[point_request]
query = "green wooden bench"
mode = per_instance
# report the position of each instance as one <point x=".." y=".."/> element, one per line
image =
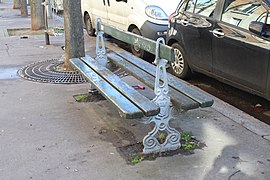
<point x="170" y="91"/>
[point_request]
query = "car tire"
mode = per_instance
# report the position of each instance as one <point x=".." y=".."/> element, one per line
<point x="180" y="67"/>
<point x="134" y="49"/>
<point x="88" y="25"/>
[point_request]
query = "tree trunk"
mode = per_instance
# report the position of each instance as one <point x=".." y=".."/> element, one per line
<point x="74" y="37"/>
<point x="37" y="16"/>
<point x="16" y="4"/>
<point x="24" y="10"/>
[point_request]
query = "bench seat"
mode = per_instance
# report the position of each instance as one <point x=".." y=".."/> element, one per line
<point x="128" y="101"/>
<point x="183" y="95"/>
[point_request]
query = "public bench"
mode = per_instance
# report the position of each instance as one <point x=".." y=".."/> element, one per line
<point x="170" y="91"/>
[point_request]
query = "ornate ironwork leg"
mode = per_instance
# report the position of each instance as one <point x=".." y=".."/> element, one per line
<point x="101" y="56"/>
<point x="161" y="121"/>
<point x="100" y="45"/>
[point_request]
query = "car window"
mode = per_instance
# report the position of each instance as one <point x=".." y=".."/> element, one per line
<point x="265" y="17"/>
<point x="181" y="6"/>
<point x="190" y="6"/>
<point x="241" y="13"/>
<point x="201" y="7"/>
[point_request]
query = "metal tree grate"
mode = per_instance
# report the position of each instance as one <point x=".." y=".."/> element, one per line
<point x="49" y="71"/>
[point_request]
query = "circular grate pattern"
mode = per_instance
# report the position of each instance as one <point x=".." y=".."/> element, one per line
<point x="49" y="71"/>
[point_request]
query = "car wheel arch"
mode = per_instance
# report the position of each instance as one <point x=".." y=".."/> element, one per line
<point x="92" y="33"/>
<point x="85" y="13"/>
<point x="172" y="41"/>
<point x="131" y="27"/>
<point x="134" y="50"/>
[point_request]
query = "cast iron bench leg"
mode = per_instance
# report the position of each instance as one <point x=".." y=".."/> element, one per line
<point x="161" y="121"/>
<point x="101" y="56"/>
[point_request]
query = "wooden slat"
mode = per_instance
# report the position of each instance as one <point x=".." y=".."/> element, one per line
<point x="179" y="100"/>
<point x="144" y="104"/>
<point x="127" y="109"/>
<point x="188" y="90"/>
<point x="146" y="44"/>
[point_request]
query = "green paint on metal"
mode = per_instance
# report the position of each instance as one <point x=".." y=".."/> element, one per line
<point x="146" y="44"/>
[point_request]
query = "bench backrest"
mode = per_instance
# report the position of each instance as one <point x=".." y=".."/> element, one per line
<point x="166" y="52"/>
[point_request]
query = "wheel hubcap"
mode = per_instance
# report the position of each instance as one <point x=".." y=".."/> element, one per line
<point x="136" y="48"/>
<point x="178" y="64"/>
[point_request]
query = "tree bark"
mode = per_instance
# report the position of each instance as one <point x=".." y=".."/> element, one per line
<point x="74" y="37"/>
<point x="37" y="16"/>
<point x="16" y="4"/>
<point x="24" y="10"/>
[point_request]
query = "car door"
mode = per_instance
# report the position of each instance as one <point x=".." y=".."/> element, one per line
<point x="240" y="56"/>
<point x="99" y="10"/>
<point x="195" y="23"/>
<point x="118" y="12"/>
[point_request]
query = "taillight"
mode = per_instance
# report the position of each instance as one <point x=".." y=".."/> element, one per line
<point x="170" y="17"/>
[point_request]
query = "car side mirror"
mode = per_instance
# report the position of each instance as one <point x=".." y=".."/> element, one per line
<point x="259" y="28"/>
<point x="121" y="0"/>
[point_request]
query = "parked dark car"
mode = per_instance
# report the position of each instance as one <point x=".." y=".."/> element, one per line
<point x="225" y="39"/>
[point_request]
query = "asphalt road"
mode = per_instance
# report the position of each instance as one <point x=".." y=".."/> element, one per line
<point x="254" y="105"/>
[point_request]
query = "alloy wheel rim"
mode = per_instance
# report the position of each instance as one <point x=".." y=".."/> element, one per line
<point x="178" y="64"/>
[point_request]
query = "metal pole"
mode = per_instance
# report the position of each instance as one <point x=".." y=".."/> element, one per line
<point x="47" y="38"/>
<point x="49" y="9"/>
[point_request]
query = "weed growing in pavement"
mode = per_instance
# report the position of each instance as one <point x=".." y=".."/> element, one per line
<point x="188" y="142"/>
<point x="133" y="153"/>
<point x="81" y="97"/>
<point x="136" y="159"/>
<point x="162" y="137"/>
<point x="88" y="97"/>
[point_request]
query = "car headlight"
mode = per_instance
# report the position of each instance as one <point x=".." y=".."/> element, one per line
<point x="156" y="12"/>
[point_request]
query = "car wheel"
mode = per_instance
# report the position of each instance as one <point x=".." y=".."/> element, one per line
<point x="88" y="24"/>
<point x="180" y="67"/>
<point x="134" y="49"/>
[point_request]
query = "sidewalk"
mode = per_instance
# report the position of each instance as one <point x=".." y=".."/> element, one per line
<point x="45" y="134"/>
